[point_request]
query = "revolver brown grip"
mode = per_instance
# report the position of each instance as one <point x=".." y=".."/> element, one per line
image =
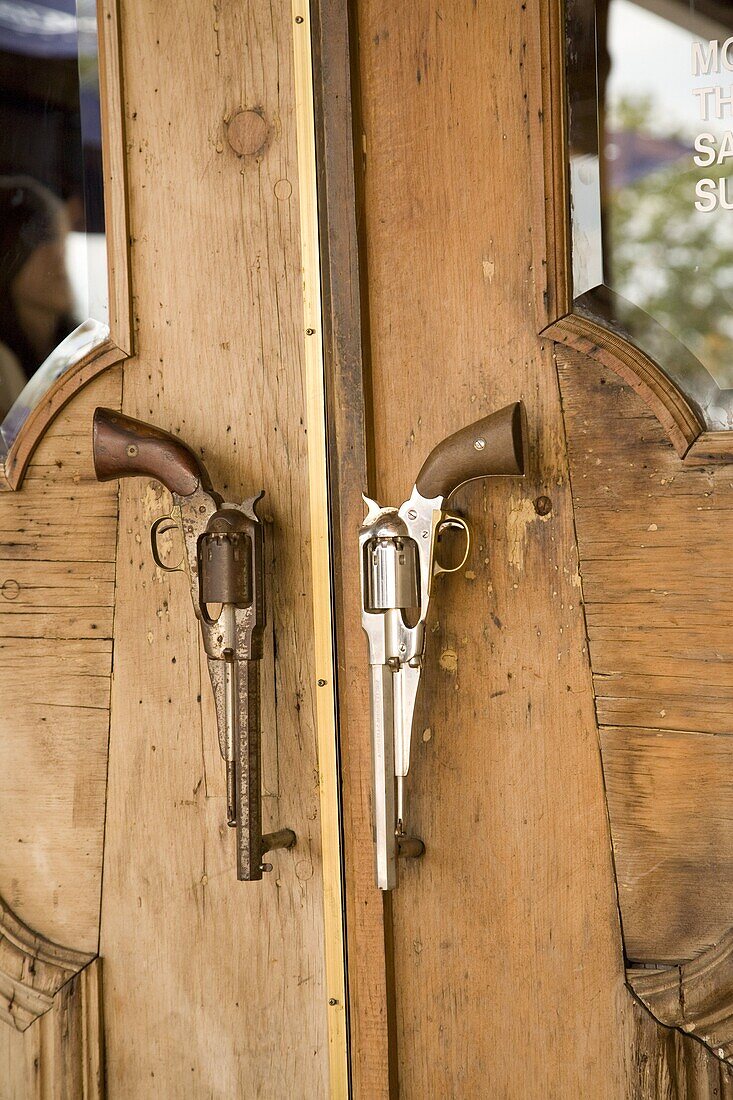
<point x="494" y="445"/>
<point x="124" y="447"/>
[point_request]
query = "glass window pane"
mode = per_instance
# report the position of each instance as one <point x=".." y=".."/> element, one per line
<point x="53" y="268"/>
<point x="650" y="87"/>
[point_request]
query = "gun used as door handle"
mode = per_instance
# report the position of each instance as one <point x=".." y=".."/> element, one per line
<point x="398" y="563"/>
<point x="224" y="562"/>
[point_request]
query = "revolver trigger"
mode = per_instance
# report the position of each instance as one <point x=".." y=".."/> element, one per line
<point x="451" y="523"/>
<point x="157" y="529"/>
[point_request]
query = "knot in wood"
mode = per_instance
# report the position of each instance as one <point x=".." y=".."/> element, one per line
<point x="247" y="133"/>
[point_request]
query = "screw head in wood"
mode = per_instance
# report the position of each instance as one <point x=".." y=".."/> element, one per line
<point x="10" y="590"/>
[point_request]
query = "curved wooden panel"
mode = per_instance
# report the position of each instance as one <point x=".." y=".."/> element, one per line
<point x="57" y="575"/>
<point x="656" y="571"/>
<point x="61" y="1055"/>
<point x="674" y="412"/>
<point x="656" y="567"/>
<point x="32" y="970"/>
<point x="696" y="997"/>
<point x="41" y="417"/>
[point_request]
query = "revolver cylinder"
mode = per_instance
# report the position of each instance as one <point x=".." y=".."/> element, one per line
<point x="225" y="562"/>
<point x="226" y="574"/>
<point x="392" y="574"/>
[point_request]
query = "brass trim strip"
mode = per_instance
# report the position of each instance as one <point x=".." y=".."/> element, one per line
<point x="325" y="663"/>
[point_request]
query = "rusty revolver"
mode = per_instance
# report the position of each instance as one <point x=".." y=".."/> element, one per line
<point x="223" y="561"/>
<point x="398" y="563"/>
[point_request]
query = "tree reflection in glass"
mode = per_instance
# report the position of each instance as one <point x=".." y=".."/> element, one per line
<point x="53" y="277"/>
<point x="652" y="253"/>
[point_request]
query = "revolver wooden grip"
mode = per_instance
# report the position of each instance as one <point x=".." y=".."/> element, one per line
<point x="494" y="445"/>
<point x="124" y="447"/>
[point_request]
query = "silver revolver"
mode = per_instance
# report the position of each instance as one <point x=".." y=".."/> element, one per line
<point x="398" y="562"/>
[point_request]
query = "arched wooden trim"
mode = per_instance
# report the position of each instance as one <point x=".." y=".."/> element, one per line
<point x="61" y="1055"/>
<point x="118" y="346"/>
<point x="670" y="406"/>
<point x="32" y="970"/>
<point x="696" y="996"/>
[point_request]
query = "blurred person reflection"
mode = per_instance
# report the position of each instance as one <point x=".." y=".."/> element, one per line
<point x="36" y="300"/>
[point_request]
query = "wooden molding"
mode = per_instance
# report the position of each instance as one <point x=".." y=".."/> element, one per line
<point x="61" y="1055"/>
<point x="118" y="346"/>
<point x="670" y="406"/>
<point x="555" y="295"/>
<point x="321" y="576"/>
<point x="337" y="112"/>
<point x="113" y="163"/>
<point x="696" y="996"/>
<point x="32" y="970"/>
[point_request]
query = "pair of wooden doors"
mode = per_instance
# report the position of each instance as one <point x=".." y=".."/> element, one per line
<point x="318" y="367"/>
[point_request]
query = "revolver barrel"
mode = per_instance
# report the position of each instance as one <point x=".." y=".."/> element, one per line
<point x="390" y="592"/>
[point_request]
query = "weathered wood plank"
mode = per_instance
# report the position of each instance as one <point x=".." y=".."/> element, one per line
<point x="57" y="584"/>
<point x="213" y="987"/>
<point x="670" y="797"/>
<point x="667" y="1065"/>
<point x="657" y="573"/>
<point x="335" y="44"/>
<point x="56" y="607"/>
<point x="511" y="912"/>
<point x="61" y="1055"/>
<point x="54" y="789"/>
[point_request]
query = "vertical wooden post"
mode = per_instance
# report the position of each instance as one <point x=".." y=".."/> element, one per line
<point x="325" y="663"/>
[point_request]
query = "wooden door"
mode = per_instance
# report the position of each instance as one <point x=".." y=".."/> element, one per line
<point x="556" y="689"/>
<point x="569" y="921"/>
<point x="175" y="979"/>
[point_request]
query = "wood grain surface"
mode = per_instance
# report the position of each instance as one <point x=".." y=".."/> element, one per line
<point x="335" y="45"/>
<point x="213" y="987"/>
<point x="57" y="567"/>
<point x="657" y="570"/>
<point x="696" y="996"/>
<point x="61" y="1055"/>
<point x="508" y="968"/>
<point x="509" y="920"/>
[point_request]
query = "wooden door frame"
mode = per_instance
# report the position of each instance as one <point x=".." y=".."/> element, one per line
<point x="346" y="349"/>
<point x="345" y="344"/>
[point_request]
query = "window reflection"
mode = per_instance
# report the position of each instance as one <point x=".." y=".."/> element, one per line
<point x="651" y="116"/>
<point x="53" y="279"/>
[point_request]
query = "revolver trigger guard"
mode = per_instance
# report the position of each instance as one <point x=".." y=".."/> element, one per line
<point x="454" y="523"/>
<point x="156" y="529"/>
